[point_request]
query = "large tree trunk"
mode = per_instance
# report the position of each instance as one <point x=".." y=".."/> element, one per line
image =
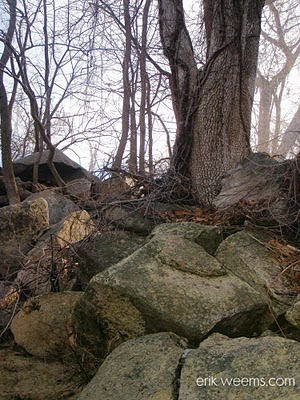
<point x="212" y="106"/>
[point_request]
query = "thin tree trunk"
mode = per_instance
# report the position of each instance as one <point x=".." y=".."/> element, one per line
<point x="132" y="165"/>
<point x="150" y="127"/>
<point x="126" y="90"/>
<point x="46" y="119"/>
<point x="168" y="138"/>
<point x="276" y="136"/>
<point x="5" y="112"/>
<point x="143" y="89"/>
<point x="264" y="116"/>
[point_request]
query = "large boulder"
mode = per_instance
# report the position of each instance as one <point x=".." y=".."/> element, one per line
<point x="20" y="225"/>
<point x="246" y="255"/>
<point x="263" y="368"/>
<point x="45" y="267"/>
<point x="129" y="218"/>
<point x="80" y="189"/>
<point x="67" y="168"/>
<point x="161" y="367"/>
<point x="110" y="189"/>
<point x="259" y="189"/>
<point x="170" y="284"/>
<point x="104" y="250"/>
<point x="43" y="326"/>
<point x="293" y="314"/>
<point x="208" y="237"/>
<point x="59" y="206"/>
<point x="250" y="180"/>
<point x="144" y="368"/>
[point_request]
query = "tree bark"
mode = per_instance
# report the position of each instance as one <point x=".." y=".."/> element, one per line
<point x="5" y="112"/>
<point x="212" y="106"/>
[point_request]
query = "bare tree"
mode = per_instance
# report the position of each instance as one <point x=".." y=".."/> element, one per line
<point x="280" y="49"/>
<point x="6" y="110"/>
<point x="126" y="88"/>
<point x="48" y="81"/>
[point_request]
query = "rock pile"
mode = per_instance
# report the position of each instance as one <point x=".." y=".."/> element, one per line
<point x="167" y="311"/>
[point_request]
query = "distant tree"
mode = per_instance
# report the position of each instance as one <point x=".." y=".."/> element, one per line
<point x="291" y="137"/>
<point x="50" y="56"/>
<point x="280" y="50"/>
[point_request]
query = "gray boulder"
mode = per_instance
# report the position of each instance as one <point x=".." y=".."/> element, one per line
<point x="80" y="189"/>
<point x="293" y="314"/>
<point x="170" y="284"/>
<point x="250" y="180"/>
<point x="245" y="255"/>
<point x="43" y="327"/>
<point x="208" y="237"/>
<point x="233" y="369"/>
<point x="129" y="219"/>
<point x="67" y="168"/>
<point x="256" y="187"/>
<point x="144" y="368"/>
<point x="110" y="189"/>
<point x="45" y="266"/>
<point x="20" y="225"/>
<point x="161" y="367"/>
<point x="59" y="206"/>
<point x="104" y="250"/>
